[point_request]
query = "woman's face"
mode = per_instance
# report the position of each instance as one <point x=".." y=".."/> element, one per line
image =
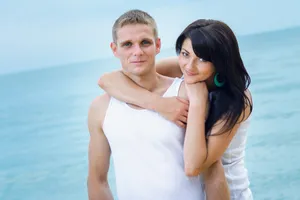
<point x="194" y="69"/>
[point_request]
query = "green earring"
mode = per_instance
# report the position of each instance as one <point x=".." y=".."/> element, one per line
<point x="217" y="83"/>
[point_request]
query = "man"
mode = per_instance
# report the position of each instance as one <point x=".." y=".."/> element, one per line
<point x="147" y="148"/>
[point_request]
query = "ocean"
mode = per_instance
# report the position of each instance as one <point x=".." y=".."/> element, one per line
<point x="44" y="135"/>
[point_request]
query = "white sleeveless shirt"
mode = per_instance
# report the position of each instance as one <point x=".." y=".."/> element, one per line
<point x="147" y="151"/>
<point x="234" y="165"/>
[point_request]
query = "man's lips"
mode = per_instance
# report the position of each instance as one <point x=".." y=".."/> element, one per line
<point x="140" y="61"/>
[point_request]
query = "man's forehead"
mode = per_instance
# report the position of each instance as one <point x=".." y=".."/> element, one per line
<point x="134" y="39"/>
<point x="135" y="32"/>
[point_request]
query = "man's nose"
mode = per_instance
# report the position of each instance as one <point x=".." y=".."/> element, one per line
<point x="137" y="51"/>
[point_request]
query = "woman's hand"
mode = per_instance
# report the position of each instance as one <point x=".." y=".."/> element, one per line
<point x="197" y="93"/>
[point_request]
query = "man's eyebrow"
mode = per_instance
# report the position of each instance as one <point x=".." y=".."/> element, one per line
<point x="149" y="39"/>
<point x="124" y="42"/>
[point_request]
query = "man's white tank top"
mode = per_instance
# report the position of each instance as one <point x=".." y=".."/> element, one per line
<point x="147" y="152"/>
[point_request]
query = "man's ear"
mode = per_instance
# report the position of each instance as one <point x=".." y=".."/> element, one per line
<point x="114" y="47"/>
<point x="158" y="45"/>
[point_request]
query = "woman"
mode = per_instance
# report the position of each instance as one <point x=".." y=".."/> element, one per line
<point x="210" y="61"/>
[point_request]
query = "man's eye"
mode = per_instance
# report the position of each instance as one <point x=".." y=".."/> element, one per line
<point x="145" y="42"/>
<point x="127" y="44"/>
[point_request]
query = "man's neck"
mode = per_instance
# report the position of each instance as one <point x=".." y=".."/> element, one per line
<point x="149" y="82"/>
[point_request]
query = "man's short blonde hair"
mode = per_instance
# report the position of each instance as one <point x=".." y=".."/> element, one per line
<point x="134" y="17"/>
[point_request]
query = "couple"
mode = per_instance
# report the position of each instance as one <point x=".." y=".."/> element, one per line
<point x="194" y="149"/>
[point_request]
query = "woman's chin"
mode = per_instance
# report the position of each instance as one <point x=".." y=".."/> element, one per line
<point x="190" y="80"/>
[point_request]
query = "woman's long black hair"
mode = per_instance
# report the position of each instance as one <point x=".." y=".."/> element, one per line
<point x="215" y="42"/>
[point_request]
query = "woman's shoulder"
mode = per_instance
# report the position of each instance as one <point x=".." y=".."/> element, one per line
<point x="248" y="106"/>
<point x="248" y="94"/>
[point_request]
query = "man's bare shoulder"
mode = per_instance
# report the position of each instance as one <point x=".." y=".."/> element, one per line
<point x="182" y="91"/>
<point x="100" y="102"/>
<point x="98" y="108"/>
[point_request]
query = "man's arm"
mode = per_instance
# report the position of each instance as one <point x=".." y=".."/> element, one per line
<point x="99" y="153"/>
<point x="215" y="183"/>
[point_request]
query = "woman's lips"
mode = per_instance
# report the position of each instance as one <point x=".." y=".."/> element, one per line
<point x="189" y="73"/>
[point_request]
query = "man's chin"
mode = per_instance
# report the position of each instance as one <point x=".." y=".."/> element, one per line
<point x="140" y="73"/>
<point x="135" y="73"/>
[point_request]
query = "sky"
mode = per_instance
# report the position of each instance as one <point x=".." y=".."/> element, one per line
<point x="37" y="34"/>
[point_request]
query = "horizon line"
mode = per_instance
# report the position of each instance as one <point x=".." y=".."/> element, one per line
<point x="110" y="57"/>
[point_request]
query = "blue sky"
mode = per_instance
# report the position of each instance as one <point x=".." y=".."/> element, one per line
<point x="36" y="34"/>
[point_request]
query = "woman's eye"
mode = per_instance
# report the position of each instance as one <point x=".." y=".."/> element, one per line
<point x="184" y="54"/>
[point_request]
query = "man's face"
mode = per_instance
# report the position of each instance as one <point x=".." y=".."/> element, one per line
<point x="136" y="47"/>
